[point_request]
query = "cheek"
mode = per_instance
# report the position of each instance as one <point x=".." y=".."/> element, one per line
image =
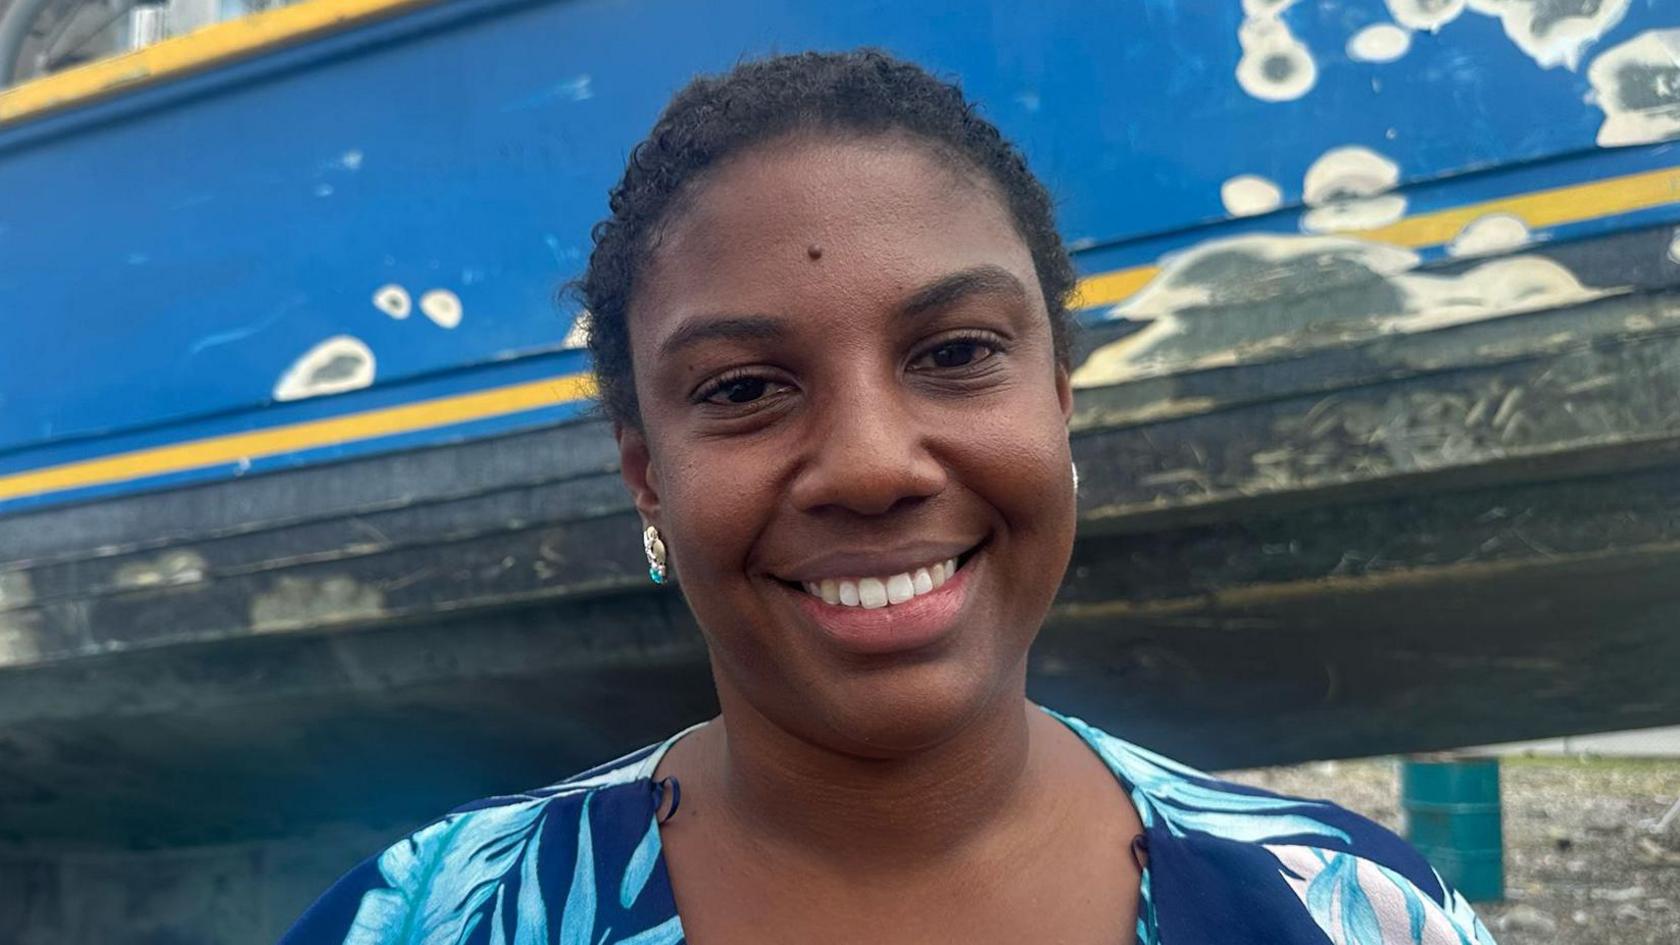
<point x="1021" y="453"/>
<point x="715" y="508"/>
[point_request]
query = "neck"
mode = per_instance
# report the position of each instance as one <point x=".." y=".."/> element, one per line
<point x="791" y="793"/>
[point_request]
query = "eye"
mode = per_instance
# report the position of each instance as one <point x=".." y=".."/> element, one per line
<point x="739" y="390"/>
<point x="957" y="353"/>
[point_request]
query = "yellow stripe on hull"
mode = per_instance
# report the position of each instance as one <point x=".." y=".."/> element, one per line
<point x="296" y="437"/>
<point x="172" y="57"/>
<point x="1538" y="209"/>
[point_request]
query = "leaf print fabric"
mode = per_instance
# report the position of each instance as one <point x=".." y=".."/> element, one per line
<point x="1358" y="902"/>
<point x="579" y="863"/>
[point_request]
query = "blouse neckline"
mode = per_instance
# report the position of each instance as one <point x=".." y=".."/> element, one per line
<point x="1147" y="929"/>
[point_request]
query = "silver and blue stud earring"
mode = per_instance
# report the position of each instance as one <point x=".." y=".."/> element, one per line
<point x="654" y="547"/>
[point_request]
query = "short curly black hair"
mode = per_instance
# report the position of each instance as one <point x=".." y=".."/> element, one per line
<point x="859" y="93"/>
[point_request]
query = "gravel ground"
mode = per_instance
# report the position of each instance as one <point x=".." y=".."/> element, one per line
<point x="1582" y="865"/>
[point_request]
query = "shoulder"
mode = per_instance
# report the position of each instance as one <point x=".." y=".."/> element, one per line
<point x="1225" y="852"/>
<point x="495" y="865"/>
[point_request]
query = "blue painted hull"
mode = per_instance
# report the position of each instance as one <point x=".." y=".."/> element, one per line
<point x="1378" y="446"/>
<point x="173" y="254"/>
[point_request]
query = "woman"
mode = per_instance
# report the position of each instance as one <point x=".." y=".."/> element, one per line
<point x="829" y="325"/>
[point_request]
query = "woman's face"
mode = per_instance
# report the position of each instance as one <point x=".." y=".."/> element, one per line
<point x="846" y="373"/>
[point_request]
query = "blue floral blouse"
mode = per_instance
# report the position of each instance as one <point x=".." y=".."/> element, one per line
<point x="579" y="863"/>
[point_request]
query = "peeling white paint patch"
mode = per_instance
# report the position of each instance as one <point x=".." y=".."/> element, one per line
<point x="1380" y="42"/>
<point x="1349" y="171"/>
<point x="1637" y="84"/>
<point x="170" y="569"/>
<point x="299" y="603"/>
<point x="1210" y="304"/>
<point x="351" y="160"/>
<point x="1231" y="300"/>
<point x="442" y="306"/>
<point x="392" y="299"/>
<point x="1488" y="235"/>
<point x="341" y="363"/>
<point x="1554" y="32"/>
<point x="1492" y="290"/>
<point x="16" y="590"/>
<point x="1207" y="275"/>
<point x="1349" y="216"/>
<point x="1428" y="15"/>
<point x="20" y="630"/>
<point x="1347" y="189"/>
<point x="578" y="336"/>
<point x="1275" y="66"/>
<point x="1248" y="195"/>
<point x="1674" y="248"/>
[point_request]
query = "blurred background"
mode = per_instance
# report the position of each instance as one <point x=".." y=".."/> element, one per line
<point x="308" y="534"/>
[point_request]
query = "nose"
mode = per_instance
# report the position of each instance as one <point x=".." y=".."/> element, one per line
<point x="869" y="455"/>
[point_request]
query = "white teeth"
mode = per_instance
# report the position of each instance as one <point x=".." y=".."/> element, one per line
<point x="873" y="592"/>
<point x="900" y="588"/>
<point x="921" y="581"/>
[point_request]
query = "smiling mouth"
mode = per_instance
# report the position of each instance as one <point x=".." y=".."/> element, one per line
<point x="887" y="590"/>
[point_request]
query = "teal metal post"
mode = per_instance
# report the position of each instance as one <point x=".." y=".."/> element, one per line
<point x="1450" y="807"/>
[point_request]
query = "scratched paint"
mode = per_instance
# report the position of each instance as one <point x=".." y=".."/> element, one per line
<point x="393" y="300"/>
<point x="1348" y="188"/>
<point x="170" y="569"/>
<point x="1428" y="15"/>
<point x="1554" y="32"/>
<point x="1637" y="85"/>
<point x="442" y="306"/>
<point x="1253" y="296"/>
<point x="20" y="626"/>
<point x="1380" y="42"/>
<point x="296" y="603"/>
<point x="340" y="363"/>
<point x="1275" y="65"/>
<point x="1490" y="235"/>
<point x="1248" y="195"/>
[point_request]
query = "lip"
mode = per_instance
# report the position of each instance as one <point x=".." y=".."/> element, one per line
<point x="853" y="565"/>
<point x="897" y="628"/>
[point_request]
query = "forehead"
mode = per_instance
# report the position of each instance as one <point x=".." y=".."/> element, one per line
<point x="883" y="216"/>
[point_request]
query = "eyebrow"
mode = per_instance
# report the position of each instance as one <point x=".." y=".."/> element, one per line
<point x="729" y="328"/>
<point x="978" y="280"/>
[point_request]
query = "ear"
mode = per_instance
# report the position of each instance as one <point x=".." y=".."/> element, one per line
<point x="635" y="465"/>
<point x="1064" y="392"/>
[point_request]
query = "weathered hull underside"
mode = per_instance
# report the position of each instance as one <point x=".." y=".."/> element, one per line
<point x="1363" y="542"/>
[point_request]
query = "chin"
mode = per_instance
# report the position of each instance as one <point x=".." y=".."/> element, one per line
<point x="905" y="710"/>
